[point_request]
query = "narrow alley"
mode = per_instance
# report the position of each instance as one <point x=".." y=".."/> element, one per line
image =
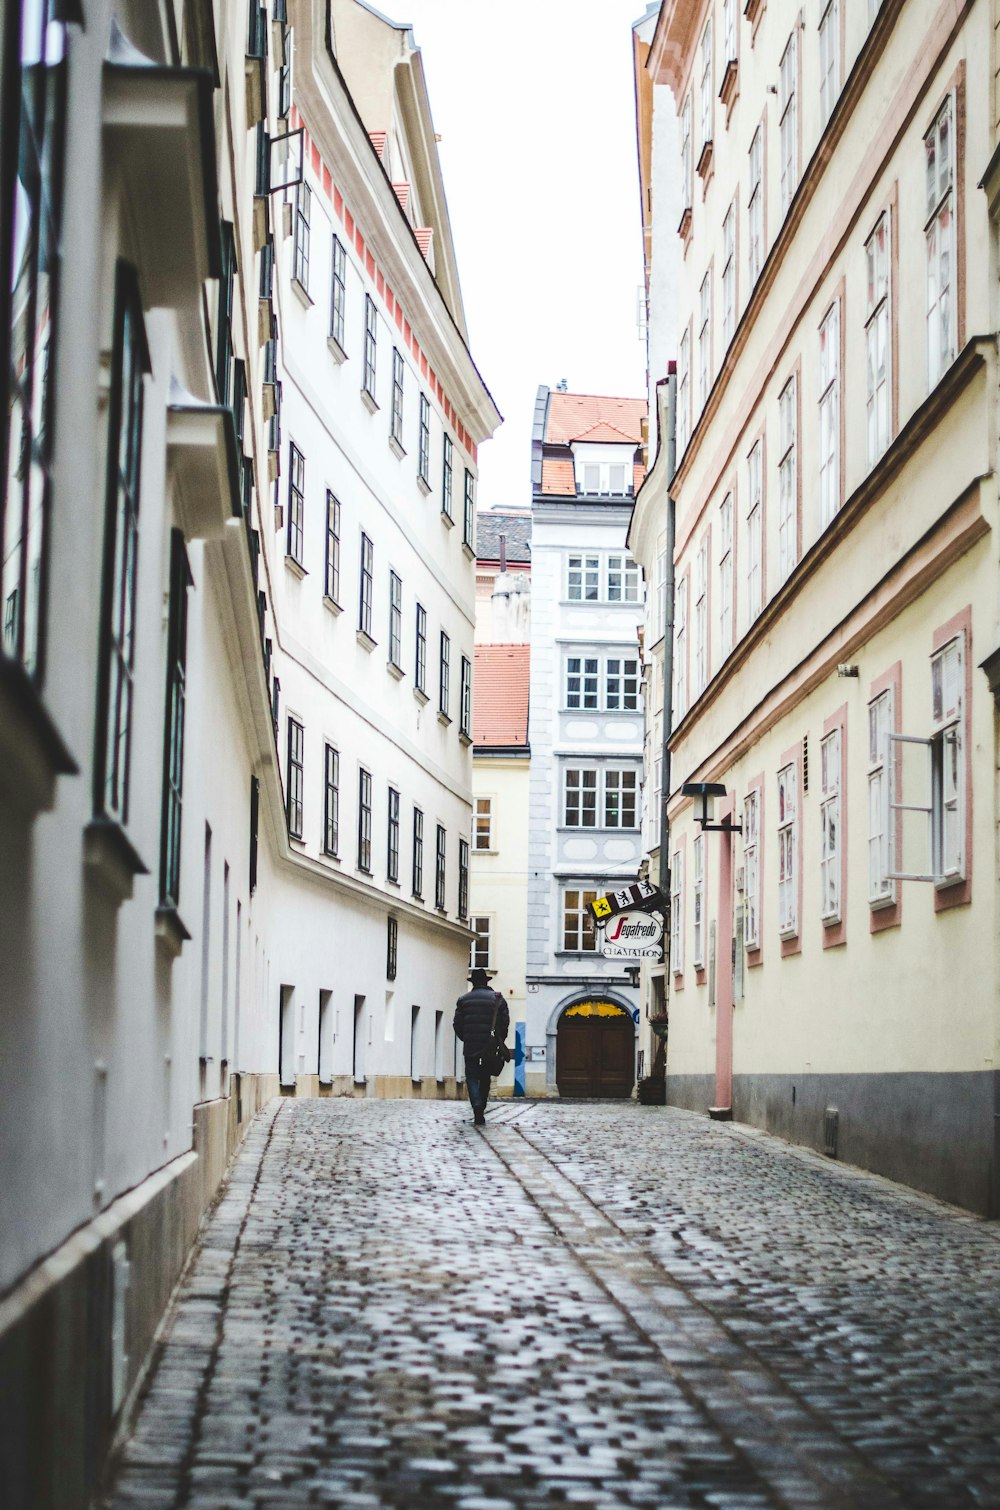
<point x="588" y="1303"/>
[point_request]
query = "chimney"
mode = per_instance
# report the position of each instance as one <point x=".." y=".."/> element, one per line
<point x="503" y="553"/>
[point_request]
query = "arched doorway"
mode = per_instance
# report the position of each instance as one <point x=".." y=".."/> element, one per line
<point x="595" y="1050"/>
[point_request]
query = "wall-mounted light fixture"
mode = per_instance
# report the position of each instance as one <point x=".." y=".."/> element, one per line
<point x="632" y="974"/>
<point x="705" y="793"/>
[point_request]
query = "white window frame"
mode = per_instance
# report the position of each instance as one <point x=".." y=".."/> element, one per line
<point x="939" y="233"/>
<point x="677" y="913"/>
<point x="706" y="93"/>
<point x="700" y="618"/>
<point x="481" y="924"/>
<point x="829" y="59"/>
<point x="830" y="759"/>
<point x="582" y="683"/>
<point x="683" y="392"/>
<point x="729" y="275"/>
<point x="787" y="481"/>
<point x="579" y="782"/>
<point x="622" y="579"/>
<point x="729" y="24"/>
<point x="482" y="825"/>
<point x="578" y="918"/>
<point x="687" y="160"/>
<point x="945" y="808"/>
<point x="829" y="414"/>
<point x="623" y="782"/>
<point x="751" y="869"/>
<point x="788" y="858"/>
<point x="698" y="902"/>
<point x="704" y="339"/>
<point x="788" y="123"/>
<point x="881" y="794"/>
<point x="878" y="338"/>
<point x="755" y="207"/>
<point x="725" y="576"/>
<point x="656" y="799"/>
<point x="680" y="648"/>
<point x="755" y="531"/>
<point x="583" y="578"/>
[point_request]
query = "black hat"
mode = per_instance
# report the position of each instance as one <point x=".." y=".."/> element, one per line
<point x="479" y="978"/>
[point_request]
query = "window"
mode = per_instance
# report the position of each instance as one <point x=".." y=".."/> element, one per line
<point x="602" y="479"/>
<point x="687" y="171"/>
<point x="364" y="820"/>
<point x="881" y="816"/>
<point x="660" y="600"/>
<point x="418" y="853"/>
<point x="656" y="802"/>
<point x="579" y="933"/>
<point x="254" y="820"/>
<point x="620" y="793"/>
<point x="751" y="869"/>
<point x="469" y="515"/>
<point x="683" y="393"/>
<point x="294" y="772"/>
<point x="444" y="674"/>
<point x="829" y="815"/>
<point x="755" y="533"/>
<point x="701" y="618"/>
<point x="621" y="684"/>
<point x="331" y="800"/>
<point x="224" y="317"/>
<point x="729" y="30"/>
<point x="173" y="740"/>
<point x="787" y="485"/>
<point x="582" y="675"/>
<point x="698" y="903"/>
<point x="440" y="869"/>
<point x="371" y="337"/>
<point x="391" y="948"/>
<point x="787" y="850"/>
<point x="338" y="293"/>
<point x="829" y="59"/>
<point x="395" y="620"/>
<point x="580" y="799"/>
<point x="482" y="823"/>
<point x="446" y="480"/>
<point x="420" y="667"/>
<point x="755" y="207"/>
<point x="789" y="145"/>
<point x="275" y="706"/>
<point x="392" y="837"/>
<point x="726" y="576"/>
<point x="677" y="913"/>
<point x="623" y="580"/>
<point x="300" y="249"/>
<point x="705" y="92"/>
<point x="465" y="716"/>
<point x="481" y="957"/>
<point x="296" y="502"/>
<point x="947" y="762"/>
<point x="463" y="879"/>
<point x="829" y="415"/>
<point x="116" y="668"/>
<point x="705" y="339"/>
<point x="35" y="76"/>
<point x="396" y="420"/>
<point x="367" y="584"/>
<point x="424" y="447"/>
<point x="583" y="579"/>
<point x="878" y="348"/>
<point x="332" y="582"/>
<point x="680" y="648"/>
<point x="729" y="275"/>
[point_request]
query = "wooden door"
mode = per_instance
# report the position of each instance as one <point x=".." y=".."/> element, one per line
<point x="595" y="1052"/>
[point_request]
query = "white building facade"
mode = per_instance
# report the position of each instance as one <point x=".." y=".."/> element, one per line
<point x="586" y="733"/>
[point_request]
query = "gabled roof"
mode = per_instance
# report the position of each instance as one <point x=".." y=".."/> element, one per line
<point x="492" y="523"/>
<point x="605" y="432"/>
<point x="500" y="706"/>
<point x="572" y="415"/>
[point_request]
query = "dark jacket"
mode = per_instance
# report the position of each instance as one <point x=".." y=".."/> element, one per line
<point x="473" y="1015"/>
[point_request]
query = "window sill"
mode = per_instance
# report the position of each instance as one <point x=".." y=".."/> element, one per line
<point x="332" y="856"/>
<point x="302" y="292"/>
<point x="833" y="921"/>
<point x="393" y="882"/>
<point x="416" y="1079"/>
<point x="879" y="904"/>
<point x="423" y="485"/>
<point x="336" y="350"/>
<point x="447" y="520"/>
<point x="363" y="871"/>
<point x="365" y="640"/>
<point x="464" y="737"/>
<point x="577" y="954"/>
<point x="332" y="605"/>
<point x="360" y="1079"/>
<point x="396" y="448"/>
<point x="416" y="896"/>
<point x="369" y="401"/>
<point x="295" y="566"/>
<point x="443" y="719"/>
<point x="785" y="934"/>
<point x="32" y="753"/>
<point x="171" y="934"/>
<point x="703" y="167"/>
<point x="469" y="550"/>
<point x="394" y="670"/>
<point x="442" y="910"/>
<point x="297" y="840"/>
<point x="110" y="856"/>
<point x="421" y="696"/>
<point x="728" y="91"/>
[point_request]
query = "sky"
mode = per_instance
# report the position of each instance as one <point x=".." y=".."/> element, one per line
<point x="534" y="104"/>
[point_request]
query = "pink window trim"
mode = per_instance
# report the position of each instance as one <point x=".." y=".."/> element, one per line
<point x="755" y="956"/>
<point x="701" y="971"/>
<point x="890" y="915"/>
<point x="680" y="846"/>
<point x="960" y="893"/>
<point x="792" y="944"/>
<point x="835" y="934"/>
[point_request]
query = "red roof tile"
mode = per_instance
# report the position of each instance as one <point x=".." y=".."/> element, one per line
<point x="558" y="477"/>
<point x="500" y="700"/>
<point x="572" y="415"/>
<point x="638" y="474"/>
<point x="605" y="432"/>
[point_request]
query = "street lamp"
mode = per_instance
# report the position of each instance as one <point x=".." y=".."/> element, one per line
<point x="632" y="973"/>
<point x="705" y="793"/>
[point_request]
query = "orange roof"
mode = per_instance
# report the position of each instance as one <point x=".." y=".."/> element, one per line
<point x="558" y="477"/>
<point x="605" y="432"/>
<point x="638" y="474"/>
<point x="572" y="415"/>
<point x="500" y="703"/>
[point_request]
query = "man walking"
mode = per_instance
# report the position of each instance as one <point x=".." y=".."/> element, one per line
<point x="473" y="1020"/>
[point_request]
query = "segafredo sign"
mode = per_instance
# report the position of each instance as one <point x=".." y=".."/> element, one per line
<point x="633" y="935"/>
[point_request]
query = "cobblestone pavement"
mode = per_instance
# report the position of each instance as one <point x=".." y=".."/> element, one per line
<point x="595" y="1304"/>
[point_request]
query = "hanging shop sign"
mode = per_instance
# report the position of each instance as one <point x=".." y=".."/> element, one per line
<point x="641" y="896"/>
<point x="633" y="935"/>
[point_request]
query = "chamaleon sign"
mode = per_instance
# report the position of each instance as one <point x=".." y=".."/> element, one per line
<point x="633" y="935"/>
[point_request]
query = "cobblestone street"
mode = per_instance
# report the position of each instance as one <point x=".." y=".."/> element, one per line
<point x="591" y="1303"/>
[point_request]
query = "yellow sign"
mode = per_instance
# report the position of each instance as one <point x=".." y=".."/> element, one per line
<point x="594" y="1009"/>
<point x="602" y="907"/>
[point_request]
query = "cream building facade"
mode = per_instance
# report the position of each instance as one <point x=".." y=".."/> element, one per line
<point x="835" y="606"/>
<point x="177" y="944"/>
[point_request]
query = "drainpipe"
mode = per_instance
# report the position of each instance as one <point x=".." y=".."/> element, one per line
<point x="666" y="401"/>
